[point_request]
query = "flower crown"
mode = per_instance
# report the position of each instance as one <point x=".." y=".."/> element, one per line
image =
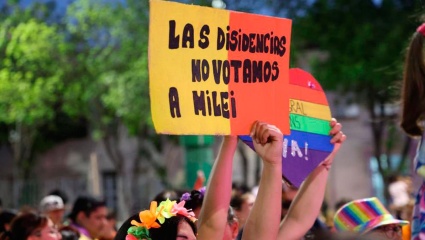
<point x="166" y="209"/>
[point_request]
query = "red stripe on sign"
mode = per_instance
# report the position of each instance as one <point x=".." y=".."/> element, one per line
<point x="304" y="79"/>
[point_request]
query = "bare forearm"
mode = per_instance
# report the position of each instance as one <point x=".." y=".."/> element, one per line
<point x="306" y="206"/>
<point x="263" y="221"/>
<point x="213" y="215"/>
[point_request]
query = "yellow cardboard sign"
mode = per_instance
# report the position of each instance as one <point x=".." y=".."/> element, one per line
<point x="214" y="71"/>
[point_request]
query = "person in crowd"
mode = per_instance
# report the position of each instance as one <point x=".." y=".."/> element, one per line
<point x="413" y="116"/>
<point x="110" y="229"/>
<point x="368" y="217"/>
<point x="6" y="217"/>
<point x="88" y="216"/>
<point x="31" y="226"/>
<point x="400" y="194"/>
<point x="54" y="208"/>
<point x="288" y="195"/>
<point x="242" y="204"/>
<point x="194" y="201"/>
<point x="60" y="193"/>
<point x="168" y="220"/>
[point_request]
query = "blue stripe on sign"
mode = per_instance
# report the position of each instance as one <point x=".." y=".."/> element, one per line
<point x="315" y="141"/>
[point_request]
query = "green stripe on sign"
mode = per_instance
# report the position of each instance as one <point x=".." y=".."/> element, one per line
<point x="309" y="124"/>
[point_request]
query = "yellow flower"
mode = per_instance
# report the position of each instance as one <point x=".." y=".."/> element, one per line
<point x="148" y="217"/>
<point x="164" y="210"/>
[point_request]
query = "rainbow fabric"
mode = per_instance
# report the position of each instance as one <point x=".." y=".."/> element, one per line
<point x="364" y="215"/>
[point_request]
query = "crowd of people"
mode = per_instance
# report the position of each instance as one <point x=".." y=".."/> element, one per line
<point x="218" y="210"/>
<point x="275" y="211"/>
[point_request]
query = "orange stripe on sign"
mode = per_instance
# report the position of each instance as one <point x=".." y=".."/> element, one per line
<point x="307" y="94"/>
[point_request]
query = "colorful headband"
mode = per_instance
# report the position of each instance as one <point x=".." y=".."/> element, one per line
<point x="421" y="29"/>
<point x="165" y="210"/>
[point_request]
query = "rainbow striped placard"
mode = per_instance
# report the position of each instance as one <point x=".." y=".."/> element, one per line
<point x="308" y="144"/>
<point x="213" y="71"/>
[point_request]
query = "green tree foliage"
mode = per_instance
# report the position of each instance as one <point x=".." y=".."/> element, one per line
<point x="364" y="42"/>
<point x="30" y="81"/>
<point x="108" y="82"/>
<point x="109" y="75"/>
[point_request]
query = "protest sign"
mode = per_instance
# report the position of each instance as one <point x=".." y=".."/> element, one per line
<point x="308" y="144"/>
<point x="214" y="71"/>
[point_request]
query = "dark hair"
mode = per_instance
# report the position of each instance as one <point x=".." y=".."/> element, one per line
<point x="413" y="93"/>
<point x="193" y="200"/>
<point x="341" y="202"/>
<point x="286" y="204"/>
<point x="24" y="225"/>
<point x="238" y="199"/>
<point x="240" y="187"/>
<point x="87" y="205"/>
<point x="6" y="217"/>
<point x="168" y="229"/>
<point x="60" y="194"/>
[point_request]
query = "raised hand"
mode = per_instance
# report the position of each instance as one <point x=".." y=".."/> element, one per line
<point x="338" y="137"/>
<point x="268" y="142"/>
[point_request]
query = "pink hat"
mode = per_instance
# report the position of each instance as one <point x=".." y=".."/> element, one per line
<point x="364" y="215"/>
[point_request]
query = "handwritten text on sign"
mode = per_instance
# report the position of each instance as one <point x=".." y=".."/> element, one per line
<point x="214" y="71"/>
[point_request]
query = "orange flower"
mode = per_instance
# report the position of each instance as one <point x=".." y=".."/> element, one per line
<point x="148" y="217"/>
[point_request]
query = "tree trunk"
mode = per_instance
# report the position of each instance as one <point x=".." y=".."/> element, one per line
<point x="124" y="168"/>
<point x="22" y="140"/>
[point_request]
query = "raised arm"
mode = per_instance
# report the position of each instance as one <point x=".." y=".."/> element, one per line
<point x="263" y="221"/>
<point x="307" y="203"/>
<point x="212" y="220"/>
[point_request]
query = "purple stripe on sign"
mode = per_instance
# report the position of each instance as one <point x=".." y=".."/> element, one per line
<point x="297" y="165"/>
<point x="295" y="169"/>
